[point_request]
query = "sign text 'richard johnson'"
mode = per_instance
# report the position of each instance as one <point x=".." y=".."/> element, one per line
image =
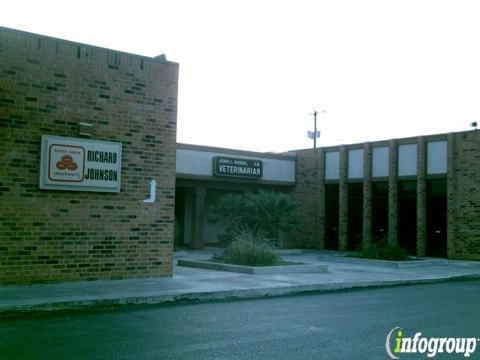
<point x="80" y="164"/>
<point x="233" y="167"/>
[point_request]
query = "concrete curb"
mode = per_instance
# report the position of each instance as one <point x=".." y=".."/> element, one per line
<point x="384" y="263"/>
<point x="209" y="296"/>
<point x="285" y="269"/>
<point x="290" y="251"/>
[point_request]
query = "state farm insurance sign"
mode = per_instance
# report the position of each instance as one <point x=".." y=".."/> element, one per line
<point x="80" y="164"/>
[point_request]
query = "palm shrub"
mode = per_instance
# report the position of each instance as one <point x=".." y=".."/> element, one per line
<point x="228" y="211"/>
<point x="274" y="214"/>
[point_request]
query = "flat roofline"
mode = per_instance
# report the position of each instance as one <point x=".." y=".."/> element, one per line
<point x="51" y="38"/>
<point x="405" y="140"/>
<point x="236" y="152"/>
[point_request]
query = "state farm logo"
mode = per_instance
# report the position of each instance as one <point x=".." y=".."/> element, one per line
<point x="67" y="163"/>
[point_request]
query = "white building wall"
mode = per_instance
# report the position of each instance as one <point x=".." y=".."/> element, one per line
<point x="200" y="163"/>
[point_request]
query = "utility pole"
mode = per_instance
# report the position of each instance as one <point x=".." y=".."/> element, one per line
<point x="315" y="134"/>
<point x="316" y="188"/>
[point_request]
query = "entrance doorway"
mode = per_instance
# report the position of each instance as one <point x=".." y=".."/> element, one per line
<point x="379" y="211"/>
<point x="407" y="216"/>
<point x="437" y="218"/>
<point x="179" y="224"/>
<point x="331" y="216"/>
<point x="354" y="215"/>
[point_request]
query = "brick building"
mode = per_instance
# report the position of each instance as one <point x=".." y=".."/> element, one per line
<point x="63" y="104"/>
<point x="420" y="193"/>
<point x="47" y="87"/>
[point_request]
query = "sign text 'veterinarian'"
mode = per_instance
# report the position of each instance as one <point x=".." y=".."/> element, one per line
<point x="233" y="167"/>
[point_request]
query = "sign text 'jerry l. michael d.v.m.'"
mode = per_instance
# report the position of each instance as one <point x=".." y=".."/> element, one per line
<point x="80" y="164"/>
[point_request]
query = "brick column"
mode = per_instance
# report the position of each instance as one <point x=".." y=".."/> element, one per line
<point x="320" y="197"/>
<point x="343" y="200"/>
<point x="198" y="218"/>
<point x="451" y="186"/>
<point x="367" y="196"/>
<point x="393" y="193"/>
<point x="421" y="197"/>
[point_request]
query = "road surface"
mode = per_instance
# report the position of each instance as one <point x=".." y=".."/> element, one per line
<point x="342" y="325"/>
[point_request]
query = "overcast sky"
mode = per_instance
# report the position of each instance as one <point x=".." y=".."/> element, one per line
<point x="251" y="72"/>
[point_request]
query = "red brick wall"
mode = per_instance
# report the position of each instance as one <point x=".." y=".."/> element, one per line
<point x="47" y="86"/>
<point x="466" y="194"/>
<point x="307" y="193"/>
<point x="463" y="195"/>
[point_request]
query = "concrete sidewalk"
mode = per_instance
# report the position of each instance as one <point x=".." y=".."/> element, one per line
<point x="190" y="284"/>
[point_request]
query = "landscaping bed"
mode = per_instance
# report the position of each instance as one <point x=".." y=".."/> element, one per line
<point x="286" y="268"/>
<point x="384" y="254"/>
<point x="410" y="263"/>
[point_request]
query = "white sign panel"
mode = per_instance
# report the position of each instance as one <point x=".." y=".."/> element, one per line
<point x="80" y="164"/>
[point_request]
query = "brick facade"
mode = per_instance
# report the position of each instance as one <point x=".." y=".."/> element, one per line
<point x="392" y="193"/>
<point x="464" y="212"/>
<point x="47" y="86"/>
<point x="421" y="197"/>
<point x="343" y="200"/>
<point x="462" y="194"/>
<point x="367" y="196"/>
<point x="305" y="193"/>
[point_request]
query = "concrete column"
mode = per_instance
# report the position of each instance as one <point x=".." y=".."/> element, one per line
<point x="199" y="218"/>
<point x="451" y="187"/>
<point x="421" y="197"/>
<point x="367" y="196"/>
<point x="393" y="193"/>
<point x="320" y="197"/>
<point x="343" y="200"/>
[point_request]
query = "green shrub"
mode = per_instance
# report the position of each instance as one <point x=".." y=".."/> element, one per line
<point x="383" y="251"/>
<point x="244" y="232"/>
<point x="229" y="211"/>
<point x="273" y="214"/>
<point x="248" y="249"/>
